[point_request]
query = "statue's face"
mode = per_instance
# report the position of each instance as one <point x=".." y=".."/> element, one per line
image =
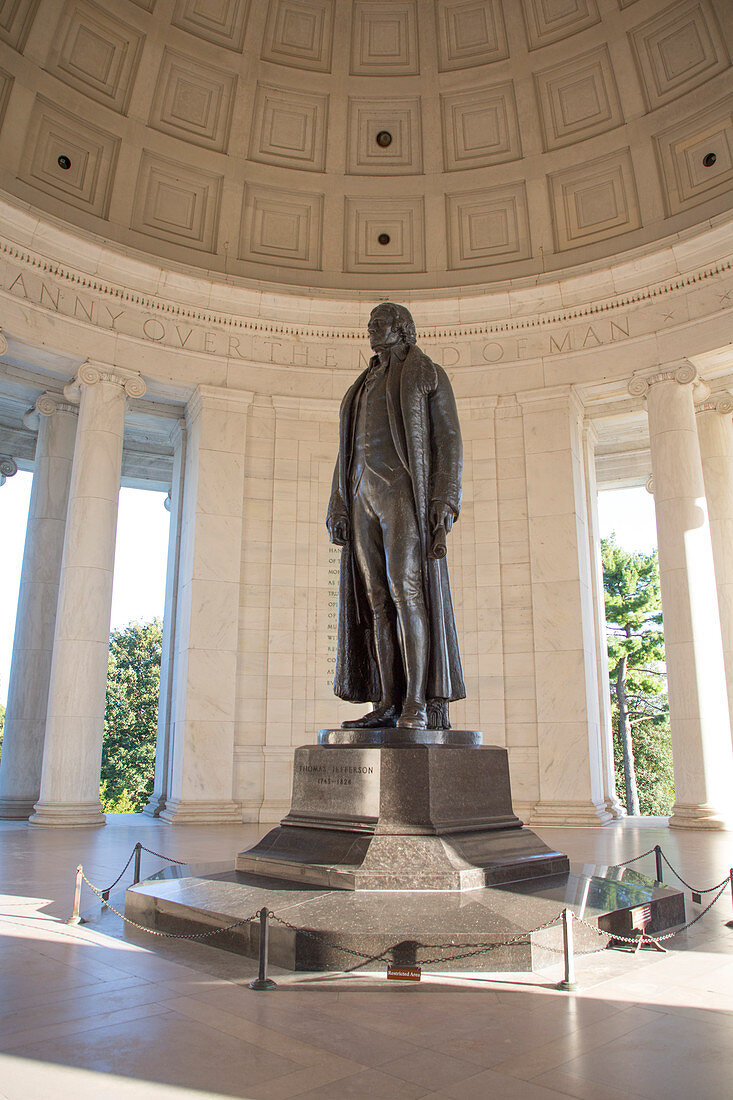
<point x="382" y="329"/>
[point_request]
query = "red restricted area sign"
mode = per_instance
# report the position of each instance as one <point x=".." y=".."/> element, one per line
<point x="404" y="973"/>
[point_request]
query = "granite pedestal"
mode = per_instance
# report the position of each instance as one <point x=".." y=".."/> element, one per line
<point x="328" y="929"/>
<point x="401" y="810"/>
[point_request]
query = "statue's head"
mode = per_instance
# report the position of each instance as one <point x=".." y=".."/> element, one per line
<point x="399" y="319"/>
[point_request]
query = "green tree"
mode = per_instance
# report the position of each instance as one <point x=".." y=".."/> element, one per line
<point x="639" y="703"/>
<point x="131" y="717"/>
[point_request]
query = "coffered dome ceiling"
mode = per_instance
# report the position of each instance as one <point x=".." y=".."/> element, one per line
<point x="365" y="145"/>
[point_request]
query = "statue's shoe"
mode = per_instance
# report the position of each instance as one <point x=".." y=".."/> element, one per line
<point x="379" y="718"/>
<point x="413" y="717"/>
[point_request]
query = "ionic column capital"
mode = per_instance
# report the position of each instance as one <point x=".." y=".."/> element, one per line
<point x="47" y="404"/>
<point x="8" y="468"/>
<point x="682" y="371"/>
<point x="3" y="343"/>
<point x="721" y="403"/>
<point x="90" y="373"/>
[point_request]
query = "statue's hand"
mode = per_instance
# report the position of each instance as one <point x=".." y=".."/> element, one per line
<point x="338" y="530"/>
<point x="440" y="514"/>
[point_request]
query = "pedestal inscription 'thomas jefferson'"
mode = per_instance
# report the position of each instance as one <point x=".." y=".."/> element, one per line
<point x="396" y="493"/>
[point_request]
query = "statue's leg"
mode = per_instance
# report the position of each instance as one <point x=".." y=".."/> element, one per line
<point x="404" y="574"/>
<point x="368" y="550"/>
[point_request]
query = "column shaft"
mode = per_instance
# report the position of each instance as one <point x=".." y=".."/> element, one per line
<point x="76" y="700"/>
<point x="568" y="720"/>
<point x="715" y="434"/>
<point x="161" y="788"/>
<point x="204" y="702"/>
<point x="698" y="703"/>
<point x="613" y="805"/>
<point x="25" y="717"/>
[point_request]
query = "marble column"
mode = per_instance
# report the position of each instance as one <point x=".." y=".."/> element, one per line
<point x="25" y="718"/>
<point x="208" y="609"/>
<point x="571" y="777"/>
<point x="161" y="787"/>
<point x="613" y="805"/>
<point x="715" y="434"/>
<point x="698" y="703"/>
<point x="72" y="752"/>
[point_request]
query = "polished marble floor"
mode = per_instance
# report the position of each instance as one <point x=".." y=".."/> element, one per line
<point x="98" y="1009"/>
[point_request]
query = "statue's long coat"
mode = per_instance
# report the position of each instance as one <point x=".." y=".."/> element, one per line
<point x="424" y="425"/>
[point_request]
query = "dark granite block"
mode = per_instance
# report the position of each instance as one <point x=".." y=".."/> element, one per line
<point x="401" y="817"/>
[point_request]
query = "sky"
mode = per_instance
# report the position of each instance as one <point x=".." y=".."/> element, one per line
<point x="629" y="513"/>
<point x="142" y="547"/>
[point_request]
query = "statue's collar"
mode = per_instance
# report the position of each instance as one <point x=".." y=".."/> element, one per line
<point x="398" y="354"/>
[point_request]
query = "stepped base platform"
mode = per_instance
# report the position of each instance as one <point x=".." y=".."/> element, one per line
<point x="326" y="925"/>
<point x="391" y="809"/>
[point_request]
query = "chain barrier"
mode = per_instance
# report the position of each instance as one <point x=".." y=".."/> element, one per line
<point x="459" y="951"/>
<point x="109" y="889"/>
<point x="709" y="889"/>
<point x="168" y="859"/>
<point x="626" y="862"/>
<point x="169" y="935"/>
<point x="467" y="950"/>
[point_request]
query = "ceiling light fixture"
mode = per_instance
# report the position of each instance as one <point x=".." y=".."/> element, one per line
<point x="64" y="162"/>
<point x="384" y="138"/>
<point x="709" y="160"/>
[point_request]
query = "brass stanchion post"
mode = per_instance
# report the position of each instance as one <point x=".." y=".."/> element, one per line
<point x="136" y="868"/>
<point x="75" y="918"/>
<point x="658" y="858"/>
<point x="568" y="983"/>
<point x="262" y="982"/>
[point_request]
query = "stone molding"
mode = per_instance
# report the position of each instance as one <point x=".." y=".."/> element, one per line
<point x="526" y="316"/>
<point x="551" y="396"/>
<point x="213" y="395"/>
<point x="649" y="485"/>
<point x="90" y="373"/>
<point x="590" y="433"/>
<point x="3" y="343"/>
<point x="682" y="372"/>
<point x="291" y="407"/>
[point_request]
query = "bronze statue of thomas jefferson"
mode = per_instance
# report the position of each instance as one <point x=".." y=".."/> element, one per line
<point x="396" y="493"/>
